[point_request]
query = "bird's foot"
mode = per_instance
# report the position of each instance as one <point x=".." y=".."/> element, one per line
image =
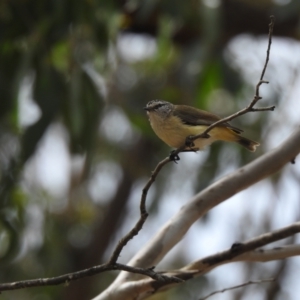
<point x="189" y="141"/>
<point x="174" y="156"/>
<point x="190" y="144"/>
<point x="236" y="246"/>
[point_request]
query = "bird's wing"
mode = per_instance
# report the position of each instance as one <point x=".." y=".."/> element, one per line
<point x="192" y="116"/>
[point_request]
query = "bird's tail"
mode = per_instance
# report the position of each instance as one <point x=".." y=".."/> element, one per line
<point x="249" y="144"/>
<point x="233" y="135"/>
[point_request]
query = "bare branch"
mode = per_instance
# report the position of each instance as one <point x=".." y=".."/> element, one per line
<point x="271" y="27"/>
<point x="173" y="231"/>
<point x="242" y="252"/>
<point x="67" y="278"/>
<point x="238" y="286"/>
<point x="268" y="108"/>
<point x="143" y="214"/>
<point x="205" y="264"/>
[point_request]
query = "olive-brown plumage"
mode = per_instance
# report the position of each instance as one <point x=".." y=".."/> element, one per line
<point x="174" y="123"/>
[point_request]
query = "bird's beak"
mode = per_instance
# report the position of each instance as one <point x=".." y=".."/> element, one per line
<point x="146" y="108"/>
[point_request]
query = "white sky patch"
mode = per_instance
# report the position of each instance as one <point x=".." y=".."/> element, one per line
<point x="126" y="78"/>
<point x="282" y="2"/>
<point x="136" y="47"/>
<point x="212" y="3"/>
<point x="51" y="166"/>
<point x="104" y="183"/>
<point x="29" y="111"/>
<point x="283" y="75"/>
<point x="116" y="127"/>
<point x="33" y="235"/>
<point x="282" y="63"/>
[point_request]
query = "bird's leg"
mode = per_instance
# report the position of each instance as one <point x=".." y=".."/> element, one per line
<point x="174" y="156"/>
<point x="189" y="141"/>
<point x="190" y="144"/>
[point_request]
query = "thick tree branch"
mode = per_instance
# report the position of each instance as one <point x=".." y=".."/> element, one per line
<point x="172" y="232"/>
<point x="240" y="253"/>
<point x="245" y="251"/>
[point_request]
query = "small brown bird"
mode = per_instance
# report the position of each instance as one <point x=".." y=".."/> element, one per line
<point x="174" y="123"/>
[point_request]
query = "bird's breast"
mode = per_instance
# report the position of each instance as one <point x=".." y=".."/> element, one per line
<point x="174" y="133"/>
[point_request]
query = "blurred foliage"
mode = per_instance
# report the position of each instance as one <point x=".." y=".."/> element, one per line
<point x="70" y="49"/>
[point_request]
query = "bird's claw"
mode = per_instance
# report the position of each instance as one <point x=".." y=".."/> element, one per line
<point x="236" y="246"/>
<point x="189" y="141"/>
<point x="174" y="156"/>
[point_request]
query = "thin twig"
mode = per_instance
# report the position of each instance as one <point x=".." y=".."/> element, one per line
<point x="67" y="278"/>
<point x="271" y="27"/>
<point x="143" y="214"/>
<point x="238" y="286"/>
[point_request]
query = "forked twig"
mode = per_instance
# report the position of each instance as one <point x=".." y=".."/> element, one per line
<point x="67" y="278"/>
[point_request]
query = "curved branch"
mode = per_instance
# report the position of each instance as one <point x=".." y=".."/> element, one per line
<point x="143" y="215"/>
<point x="240" y="253"/>
<point x="246" y="251"/>
<point x="173" y="231"/>
<point x="67" y="278"/>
